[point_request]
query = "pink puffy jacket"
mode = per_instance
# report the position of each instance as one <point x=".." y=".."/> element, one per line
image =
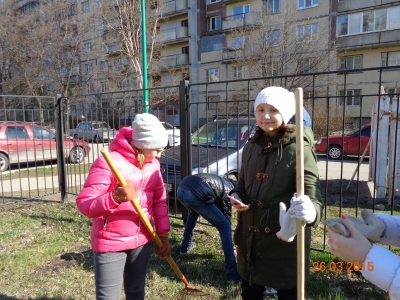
<point x="117" y="227"/>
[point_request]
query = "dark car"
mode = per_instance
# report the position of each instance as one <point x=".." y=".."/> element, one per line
<point x="347" y="144"/>
<point x="27" y="142"/>
<point x="216" y="149"/>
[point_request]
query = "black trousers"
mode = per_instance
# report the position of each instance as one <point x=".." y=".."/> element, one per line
<point x="256" y="292"/>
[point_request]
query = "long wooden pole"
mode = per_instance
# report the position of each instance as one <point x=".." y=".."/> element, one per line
<point x="300" y="191"/>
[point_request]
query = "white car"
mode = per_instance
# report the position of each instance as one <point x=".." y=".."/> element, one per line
<point x="174" y="134"/>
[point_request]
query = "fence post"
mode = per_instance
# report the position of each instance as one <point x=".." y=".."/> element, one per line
<point x="184" y="121"/>
<point x="62" y="177"/>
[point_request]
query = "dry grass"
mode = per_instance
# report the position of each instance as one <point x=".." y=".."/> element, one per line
<point x="45" y="254"/>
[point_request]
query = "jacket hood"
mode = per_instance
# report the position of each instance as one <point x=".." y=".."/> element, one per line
<point x="122" y="144"/>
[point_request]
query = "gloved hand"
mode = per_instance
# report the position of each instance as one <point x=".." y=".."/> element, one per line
<point x="124" y="193"/>
<point x="369" y="225"/>
<point x="303" y="209"/>
<point x="288" y="225"/>
<point x="166" y="248"/>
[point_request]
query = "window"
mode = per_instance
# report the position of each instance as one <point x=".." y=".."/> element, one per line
<point x="103" y="86"/>
<point x="121" y="84"/>
<point x="42" y="134"/>
<point x="213" y="75"/>
<point x="389" y="59"/>
<point x="211" y="43"/>
<point x="88" y="48"/>
<point x="185" y="50"/>
<point x="16" y="133"/>
<point x="75" y="70"/>
<point x="72" y="10"/>
<point x="239" y="41"/>
<point x="273" y="69"/>
<point x="393" y="93"/>
<point x="307" y="33"/>
<point x="214" y="23"/>
<point x="273" y="6"/>
<point x="306" y="65"/>
<point x="369" y="21"/>
<point x="239" y="72"/>
<point x="350" y="62"/>
<point x="90" y="88"/>
<point x="89" y="68"/>
<point x="103" y="65"/>
<point x="307" y="3"/>
<point x="352" y="97"/>
<point x="85" y="6"/>
<point x="64" y="71"/>
<point x="212" y="1"/>
<point x="272" y="38"/>
<point x="27" y="8"/>
<point x="239" y="11"/>
<point x="212" y="101"/>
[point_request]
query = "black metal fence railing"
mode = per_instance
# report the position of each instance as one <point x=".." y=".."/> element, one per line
<point x="210" y="123"/>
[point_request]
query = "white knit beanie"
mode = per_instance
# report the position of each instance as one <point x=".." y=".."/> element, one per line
<point x="148" y="132"/>
<point x="280" y="98"/>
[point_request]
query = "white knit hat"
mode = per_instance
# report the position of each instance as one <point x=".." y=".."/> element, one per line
<point x="280" y="98"/>
<point x="148" y="132"/>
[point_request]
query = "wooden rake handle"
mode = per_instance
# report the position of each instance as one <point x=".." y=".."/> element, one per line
<point x="143" y="218"/>
<point x="300" y="191"/>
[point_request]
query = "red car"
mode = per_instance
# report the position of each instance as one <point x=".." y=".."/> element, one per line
<point x="350" y="144"/>
<point x="27" y="142"/>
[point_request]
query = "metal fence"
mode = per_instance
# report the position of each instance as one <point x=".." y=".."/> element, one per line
<point x="334" y="100"/>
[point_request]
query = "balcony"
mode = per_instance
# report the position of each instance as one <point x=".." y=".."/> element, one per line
<point x="233" y="55"/>
<point x="172" y="61"/>
<point x="114" y="50"/>
<point x="226" y="2"/>
<point x="368" y="40"/>
<point x="173" y="36"/>
<point x="174" y="8"/>
<point x="245" y="20"/>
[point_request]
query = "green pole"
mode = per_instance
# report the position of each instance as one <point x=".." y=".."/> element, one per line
<point x="144" y="59"/>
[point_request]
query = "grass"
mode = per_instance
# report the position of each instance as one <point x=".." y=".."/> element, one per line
<point x="44" y="171"/>
<point x="45" y="254"/>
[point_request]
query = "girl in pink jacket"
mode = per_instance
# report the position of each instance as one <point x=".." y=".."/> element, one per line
<point x="120" y="241"/>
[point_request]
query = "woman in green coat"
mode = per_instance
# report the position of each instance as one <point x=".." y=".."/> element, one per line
<point x="268" y="178"/>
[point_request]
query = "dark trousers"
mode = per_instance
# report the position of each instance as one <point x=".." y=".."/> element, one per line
<point x="256" y="292"/>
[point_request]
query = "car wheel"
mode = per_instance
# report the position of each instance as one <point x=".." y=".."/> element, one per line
<point x="4" y="162"/>
<point x="96" y="139"/>
<point x="77" y="155"/>
<point x="335" y="152"/>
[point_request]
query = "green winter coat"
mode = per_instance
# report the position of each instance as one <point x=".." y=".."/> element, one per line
<point x="263" y="259"/>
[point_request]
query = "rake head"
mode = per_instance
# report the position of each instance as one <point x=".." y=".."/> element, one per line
<point x="190" y="292"/>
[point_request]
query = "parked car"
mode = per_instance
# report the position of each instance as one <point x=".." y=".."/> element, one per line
<point x="350" y="145"/>
<point x="174" y="134"/>
<point x="216" y="148"/>
<point x="94" y="131"/>
<point x="28" y="142"/>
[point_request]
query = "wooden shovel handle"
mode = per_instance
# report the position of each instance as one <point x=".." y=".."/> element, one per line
<point x="139" y="210"/>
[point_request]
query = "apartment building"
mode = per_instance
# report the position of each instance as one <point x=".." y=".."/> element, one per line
<point x="367" y="35"/>
<point x="218" y="40"/>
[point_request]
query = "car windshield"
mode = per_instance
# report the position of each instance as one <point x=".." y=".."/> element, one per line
<point x="221" y="135"/>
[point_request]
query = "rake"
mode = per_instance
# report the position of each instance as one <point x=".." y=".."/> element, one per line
<point x="189" y="291"/>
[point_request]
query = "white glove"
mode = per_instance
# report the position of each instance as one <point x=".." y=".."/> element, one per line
<point x="288" y="225"/>
<point x="370" y="225"/>
<point x="303" y="209"/>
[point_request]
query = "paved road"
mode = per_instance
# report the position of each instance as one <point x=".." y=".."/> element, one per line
<point x="335" y="168"/>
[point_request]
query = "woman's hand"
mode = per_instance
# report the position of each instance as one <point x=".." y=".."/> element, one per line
<point x="354" y="248"/>
<point x="165" y="251"/>
<point x="124" y="193"/>
<point x="238" y="206"/>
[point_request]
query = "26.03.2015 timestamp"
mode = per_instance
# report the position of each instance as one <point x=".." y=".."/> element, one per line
<point x="338" y="266"/>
